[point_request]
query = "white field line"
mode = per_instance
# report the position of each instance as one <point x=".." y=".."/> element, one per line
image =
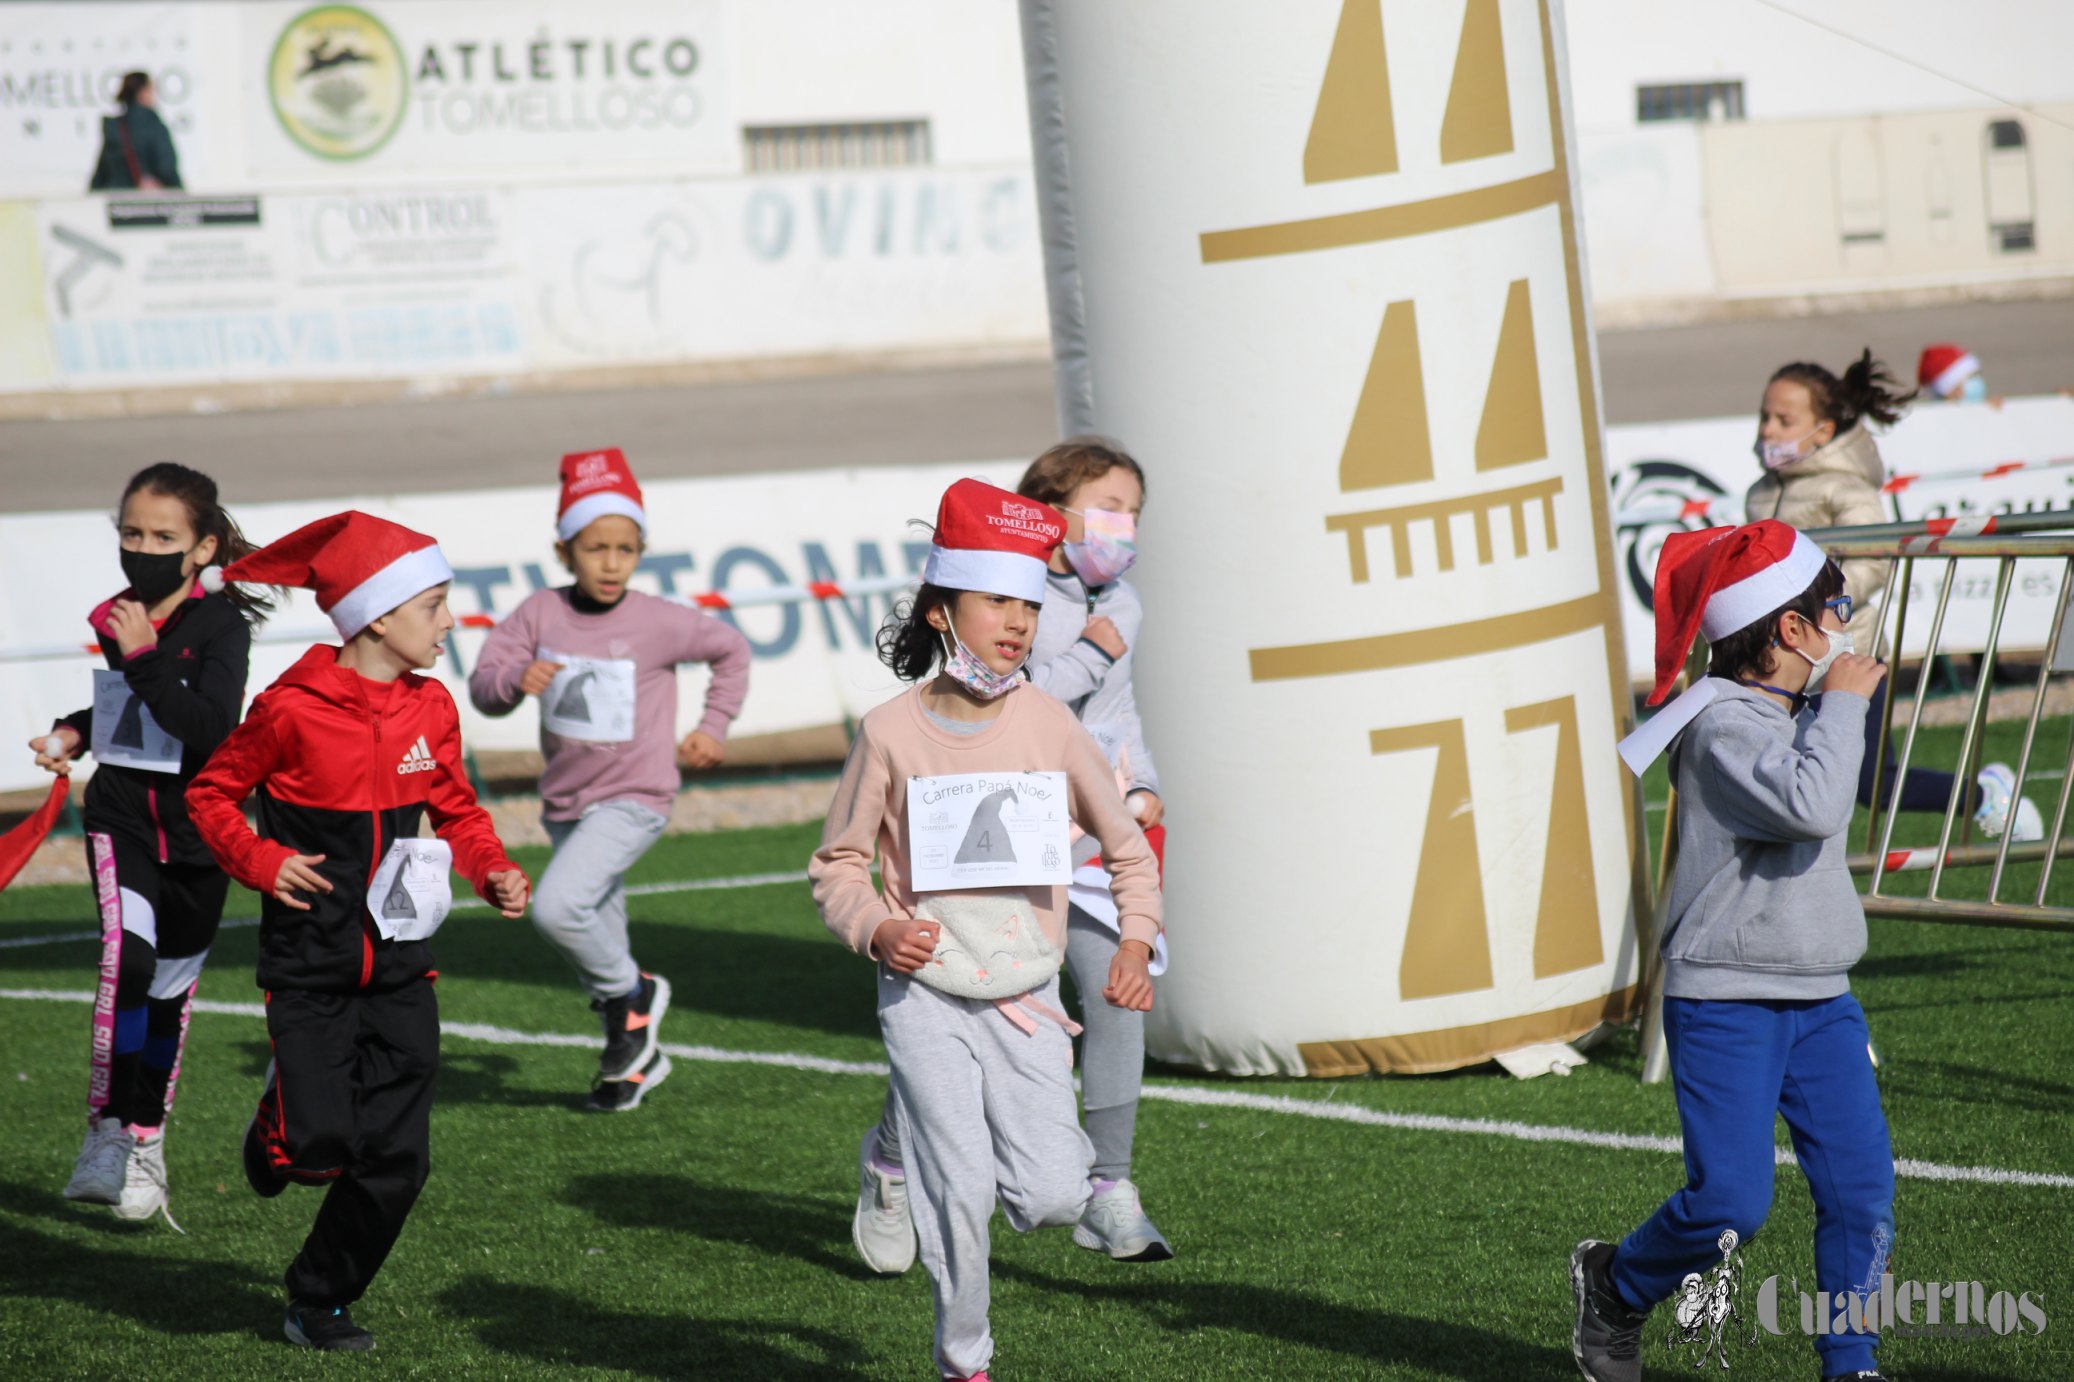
<point x="1195" y="1095"/>
<point x="691" y="885"/>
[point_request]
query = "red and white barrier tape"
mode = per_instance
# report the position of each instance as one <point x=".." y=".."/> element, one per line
<point x="749" y="598"/>
<point x="1723" y="509"/>
<point x="1896" y="484"/>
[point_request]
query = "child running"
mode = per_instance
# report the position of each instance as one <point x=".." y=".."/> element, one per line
<point x="943" y="783"/>
<point x="173" y="690"/>
<point x="350" y="751"/>
<point x="603" y="661"/>
<point x="1082" y="655"/>
<point x="1822" y="469"/>
<point x="1763" y="926"/>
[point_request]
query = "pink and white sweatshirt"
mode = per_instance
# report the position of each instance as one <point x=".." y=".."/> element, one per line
<point x="1034" y="732"/>
<point x="657" y="635"/>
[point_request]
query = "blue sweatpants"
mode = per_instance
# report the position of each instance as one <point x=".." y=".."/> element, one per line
<point x="1734" y="1064"/>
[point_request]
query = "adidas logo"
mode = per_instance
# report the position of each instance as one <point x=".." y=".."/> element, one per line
<point x="418" y="760"/>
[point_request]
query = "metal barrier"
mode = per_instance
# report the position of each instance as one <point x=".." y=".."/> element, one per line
<point x="2004" y="539"/>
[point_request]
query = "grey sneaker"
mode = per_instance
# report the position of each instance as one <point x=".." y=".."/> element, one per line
<point x="103" y="1165"/>
<point x="883" y="1228"/>
<point x="144" y="1182"/>
<point x="1116" y="1223"/>
<point x="1607" y="1342"/>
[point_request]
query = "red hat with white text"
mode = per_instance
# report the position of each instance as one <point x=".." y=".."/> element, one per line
<point x="594" y="485"/>
<point x="990" y="540"/>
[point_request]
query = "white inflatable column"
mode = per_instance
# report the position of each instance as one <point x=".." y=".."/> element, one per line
<point x="1318" y="266"/>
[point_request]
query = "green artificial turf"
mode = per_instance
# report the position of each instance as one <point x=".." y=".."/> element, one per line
<point x="706" y="1235"/>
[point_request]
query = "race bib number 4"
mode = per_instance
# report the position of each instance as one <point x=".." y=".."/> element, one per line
<point x="413" y="889"/>
<point x="988" y="830"/>
<point x="124" y="732"/>
<point x="590" y="698"/>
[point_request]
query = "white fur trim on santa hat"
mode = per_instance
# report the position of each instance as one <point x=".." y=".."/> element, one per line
<point x="1743" y="603"/>
<point x="1955" y="374"/>
<point x="1015" y="574"/>
<point x="592" y="507"/>
<point x="408" y="575"/>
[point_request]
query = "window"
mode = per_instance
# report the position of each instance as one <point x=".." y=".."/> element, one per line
<point x="803" y="148"/>
<point x="1689" y="101"/>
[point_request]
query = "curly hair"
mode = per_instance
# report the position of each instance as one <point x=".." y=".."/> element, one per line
<point x="905" y="641"/>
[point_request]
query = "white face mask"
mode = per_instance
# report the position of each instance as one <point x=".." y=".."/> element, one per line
<point x="1840" y="642"/>
<point x="1773" y="454"/>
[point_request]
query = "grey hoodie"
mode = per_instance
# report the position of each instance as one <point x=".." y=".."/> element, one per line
<point x="1762" y="905"/>
<point x="1095" y="686"/>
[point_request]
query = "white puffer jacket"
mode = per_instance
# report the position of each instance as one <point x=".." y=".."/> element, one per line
<point x="1837" y="485"/>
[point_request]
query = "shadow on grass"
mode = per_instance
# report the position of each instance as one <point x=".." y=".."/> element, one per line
<point x="172" y="1295"/>
<point x="1375" y="1336"/>
<point x="805" y="981"/>
<point x="564" y="1331"/>
<point x="811" y="1229"/>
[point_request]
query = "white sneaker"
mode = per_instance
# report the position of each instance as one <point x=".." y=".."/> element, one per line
<point x="1115" y="1222"/>
<point x="144" y="1182"/>
<point x="883" y="1228"/>
<point x="97" y="1177"/>
<point x="1997" y="794"/>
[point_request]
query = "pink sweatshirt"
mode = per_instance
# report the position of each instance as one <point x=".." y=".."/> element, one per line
<point x="1035" y="732"/>
<point x="656" y="635"/>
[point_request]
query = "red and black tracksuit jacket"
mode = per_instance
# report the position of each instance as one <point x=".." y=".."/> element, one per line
<point x="353" y="1017"/>
<point x="335" y="778"/>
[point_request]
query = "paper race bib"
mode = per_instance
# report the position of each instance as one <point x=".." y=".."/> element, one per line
<point x="988" y="830"/>
<point x="590" y="698"/>
<point x="124" y="732"/>
<point x="412" y="891"/>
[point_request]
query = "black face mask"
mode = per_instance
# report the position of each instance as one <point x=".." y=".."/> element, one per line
<point x="154" y="575"/>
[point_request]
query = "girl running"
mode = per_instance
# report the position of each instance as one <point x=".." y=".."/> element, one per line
<point x="603" y="660"/>
<point x="1822" y="469"/>
<point x="172" y="691"/>
<point x="953" y="784"/>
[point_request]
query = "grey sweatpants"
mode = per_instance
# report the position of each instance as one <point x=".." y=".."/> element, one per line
<point x="1112" y="1054"/>
<point x="985" y="1113"/>
<point x="580" y="904"/>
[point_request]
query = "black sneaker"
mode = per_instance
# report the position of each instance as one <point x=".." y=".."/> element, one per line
<point x="631" y="1024"/>
<point x="622" y="1096"/>
<point x="260" y="1174"/>
<point x="327" y="1328"/>
<point x="1607" y="1342"/>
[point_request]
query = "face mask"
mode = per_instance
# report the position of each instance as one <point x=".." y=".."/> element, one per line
<point x="1839" y="643"/>
<point x="1974" y="390"/>
<point x="963" y="666"/>
<point x="1107" y="547"/>
<point x="1774" y="454"/>
<point x="154" y="575"/>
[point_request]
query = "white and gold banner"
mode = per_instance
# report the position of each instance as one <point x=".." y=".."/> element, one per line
<point x="1318" y="266"/>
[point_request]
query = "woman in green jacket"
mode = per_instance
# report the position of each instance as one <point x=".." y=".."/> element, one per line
<point x="136" y="147"/>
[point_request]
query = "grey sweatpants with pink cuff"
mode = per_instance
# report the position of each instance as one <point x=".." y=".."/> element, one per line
<point x="985" y="1112"/>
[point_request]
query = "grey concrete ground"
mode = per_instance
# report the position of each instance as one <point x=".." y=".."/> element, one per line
<point x="981" y="412"/>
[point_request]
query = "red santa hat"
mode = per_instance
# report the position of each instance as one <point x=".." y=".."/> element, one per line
<point x="595" y="484"/>
<point x="992" y="541"/>
<point x="1945" y="368"/>
<point x="360" y="566"/>
<point x="1714" y="583"/>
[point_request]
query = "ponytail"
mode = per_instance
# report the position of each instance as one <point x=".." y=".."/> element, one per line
<point x="1866" y="390"/>
<point x="197" y="493"/>
<point x="906" y="642"/>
